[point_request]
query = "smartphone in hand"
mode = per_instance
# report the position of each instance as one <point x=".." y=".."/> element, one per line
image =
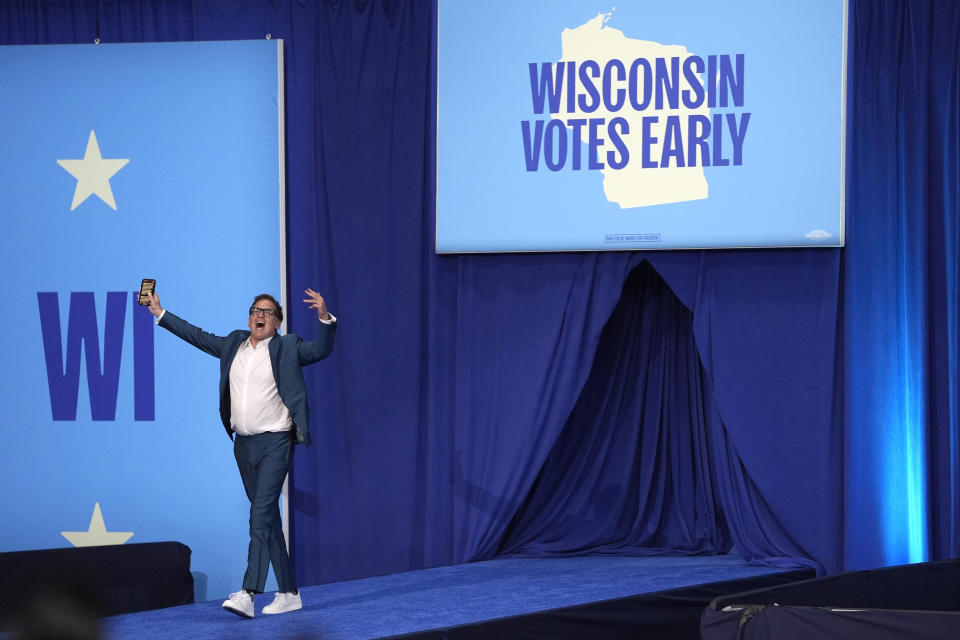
<point x="147" y="286"/>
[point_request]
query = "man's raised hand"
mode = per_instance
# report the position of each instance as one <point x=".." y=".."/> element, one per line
<point x="154" y="306"/>
<point x="316" y="302"/>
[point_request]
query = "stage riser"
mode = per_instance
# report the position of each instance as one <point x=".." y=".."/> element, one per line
<point x="918" y="601"/>
<point x="104" y="580"/>
<point x="673" y="614"/>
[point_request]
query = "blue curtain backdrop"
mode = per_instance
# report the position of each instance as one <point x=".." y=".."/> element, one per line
<point x="631" y="471"/>
<point x="902" y="491"/>
<point x="816" y="389"/>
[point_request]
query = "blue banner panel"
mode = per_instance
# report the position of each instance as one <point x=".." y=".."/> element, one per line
<point x="126" y="161"/>
<point x="576" y="125"/>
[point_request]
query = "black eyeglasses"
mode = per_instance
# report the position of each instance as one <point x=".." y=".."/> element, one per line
<point x="259" y="311"/>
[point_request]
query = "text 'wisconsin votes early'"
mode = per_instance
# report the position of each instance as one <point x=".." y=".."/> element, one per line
<point x="683" y="133"/>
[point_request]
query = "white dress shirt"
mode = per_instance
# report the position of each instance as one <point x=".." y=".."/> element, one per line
<point x="255" y="404"/>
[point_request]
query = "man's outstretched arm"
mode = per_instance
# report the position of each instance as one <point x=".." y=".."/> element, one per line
<point x="179" y="327"/>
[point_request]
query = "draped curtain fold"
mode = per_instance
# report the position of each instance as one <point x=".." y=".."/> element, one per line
<point x="630" y="473"/>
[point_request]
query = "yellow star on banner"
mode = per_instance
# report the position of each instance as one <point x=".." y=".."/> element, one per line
<point x="93" y="173"/>
<point x="97" y="535"/>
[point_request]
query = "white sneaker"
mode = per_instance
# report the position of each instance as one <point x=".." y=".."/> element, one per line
<point x="283" y="602"/>
<point x="240" y="603"/>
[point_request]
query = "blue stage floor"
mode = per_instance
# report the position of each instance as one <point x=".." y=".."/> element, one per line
<point x="436" y="598"/>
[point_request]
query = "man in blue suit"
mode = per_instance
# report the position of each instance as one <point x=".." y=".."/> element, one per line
<point x="263" y="406"/>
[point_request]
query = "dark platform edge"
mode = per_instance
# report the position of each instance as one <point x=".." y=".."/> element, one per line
<point x="106" y="580"/>
<point x="674" y="613"/>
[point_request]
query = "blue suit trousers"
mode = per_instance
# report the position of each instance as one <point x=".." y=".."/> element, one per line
<point x="264" y="461"/>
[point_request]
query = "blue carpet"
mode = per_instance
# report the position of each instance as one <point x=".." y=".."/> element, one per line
<point x="440" y="597"/>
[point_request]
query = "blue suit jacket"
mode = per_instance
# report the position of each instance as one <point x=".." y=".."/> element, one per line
<point x="288" y="355"/>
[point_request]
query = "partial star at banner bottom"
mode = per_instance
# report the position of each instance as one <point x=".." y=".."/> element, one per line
<point x="97" y="535"/>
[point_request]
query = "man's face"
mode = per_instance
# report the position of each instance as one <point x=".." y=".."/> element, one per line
<point x="262" y="322"/>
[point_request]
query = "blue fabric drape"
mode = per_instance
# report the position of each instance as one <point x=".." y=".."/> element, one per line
<point x="645" y="464"/>
<point x="631" y="473"/>
<point x="901" y="276"/>
<point x="766" y="329"/>
<point x="456" y="379"/>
